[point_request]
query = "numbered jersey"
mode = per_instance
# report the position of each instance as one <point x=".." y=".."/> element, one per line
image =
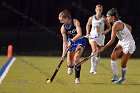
<point x="97" y="22"/>
<point x="71" y="29"/>
<point x="93" y="33"/>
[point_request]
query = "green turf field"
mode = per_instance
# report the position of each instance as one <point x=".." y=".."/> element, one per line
<point x="28" y="75"/>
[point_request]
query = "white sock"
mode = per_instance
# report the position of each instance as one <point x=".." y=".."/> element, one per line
<point x="114" y="67"/>
<point x="124" y="72"/>
<point x="96" y="62"/>
<point x="93" y="59"/>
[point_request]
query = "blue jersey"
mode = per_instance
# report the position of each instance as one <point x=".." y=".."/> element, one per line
<point x="71" y="32"/>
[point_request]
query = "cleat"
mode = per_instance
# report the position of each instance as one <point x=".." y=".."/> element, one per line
<point x="70" y="71"/>
<point x="115" y="78"/>
<point x="77" y="80"/>
<point x="119" y="81"/>
<point x="93" y="72"/>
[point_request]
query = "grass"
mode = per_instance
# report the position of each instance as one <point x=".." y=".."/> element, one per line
<point x="28" y="75"/>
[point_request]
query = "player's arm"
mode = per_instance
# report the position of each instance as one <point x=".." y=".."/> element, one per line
<point x="78" y="29"/>
<point x="107" y="25"/>
<point x="115" y="28"/>
<point x="129" y="27"/>
<point x="89" y="23"/>
<point x="63" y="32"/>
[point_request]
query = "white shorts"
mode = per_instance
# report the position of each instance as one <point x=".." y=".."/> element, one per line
<point x="128" y="46"/>
<point x="99" y="40"/>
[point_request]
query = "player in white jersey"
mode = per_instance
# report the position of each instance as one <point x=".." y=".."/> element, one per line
<point x="126" y="45"/>
<point x="96" y="34"/>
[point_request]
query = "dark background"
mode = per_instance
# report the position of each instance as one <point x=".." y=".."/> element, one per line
<point x="33" y="28"/>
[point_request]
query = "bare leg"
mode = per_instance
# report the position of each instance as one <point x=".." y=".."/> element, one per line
<point x="79" y="51"/>
<point x="70" y="60"/>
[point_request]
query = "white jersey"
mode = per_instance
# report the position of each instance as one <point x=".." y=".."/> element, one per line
<point x="97" y="22"/>
<point x="126" y="39"/>
<point x="124" y="35"/>
<point x="94" y="35"/>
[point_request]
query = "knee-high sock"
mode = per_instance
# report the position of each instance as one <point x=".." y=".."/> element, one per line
<point x="124" y="72"/>
<point x="93" y="60"/>
<point x="114" y="67"/>
<point x="96" y="61"/>
<point x="77" y="71"/>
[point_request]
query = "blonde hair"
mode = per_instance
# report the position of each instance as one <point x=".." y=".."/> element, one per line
<point x="65" y="14"/>
<point x="99" y="6"/>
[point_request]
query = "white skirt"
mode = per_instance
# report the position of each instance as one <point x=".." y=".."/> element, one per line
<point x="128" y="46"/>
<point x="99" y="40"/>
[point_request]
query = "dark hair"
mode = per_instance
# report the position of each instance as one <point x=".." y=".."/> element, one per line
<point x="113" y="12"/>
<point x="64" y="14"/>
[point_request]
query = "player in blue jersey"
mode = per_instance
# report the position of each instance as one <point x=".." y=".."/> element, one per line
<point x="72" y="39"/>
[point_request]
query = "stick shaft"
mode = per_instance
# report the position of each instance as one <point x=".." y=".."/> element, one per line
<point x="58" y="67"/>
<point x="85" y="59"/>
<point x="56" y="70"/>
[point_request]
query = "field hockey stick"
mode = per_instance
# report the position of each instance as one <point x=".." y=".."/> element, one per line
<point x="87" y="58"/>
<point x="58" y="67"/>
<point x="90" y="37"/>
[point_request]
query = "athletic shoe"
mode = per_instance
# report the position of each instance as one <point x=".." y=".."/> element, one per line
<point x="70" y="71"/>
<point x="77" y="80"/>
<point x="119" y="81"/>
<point x="93" y="72"/>
<point x="115" y="78"/>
